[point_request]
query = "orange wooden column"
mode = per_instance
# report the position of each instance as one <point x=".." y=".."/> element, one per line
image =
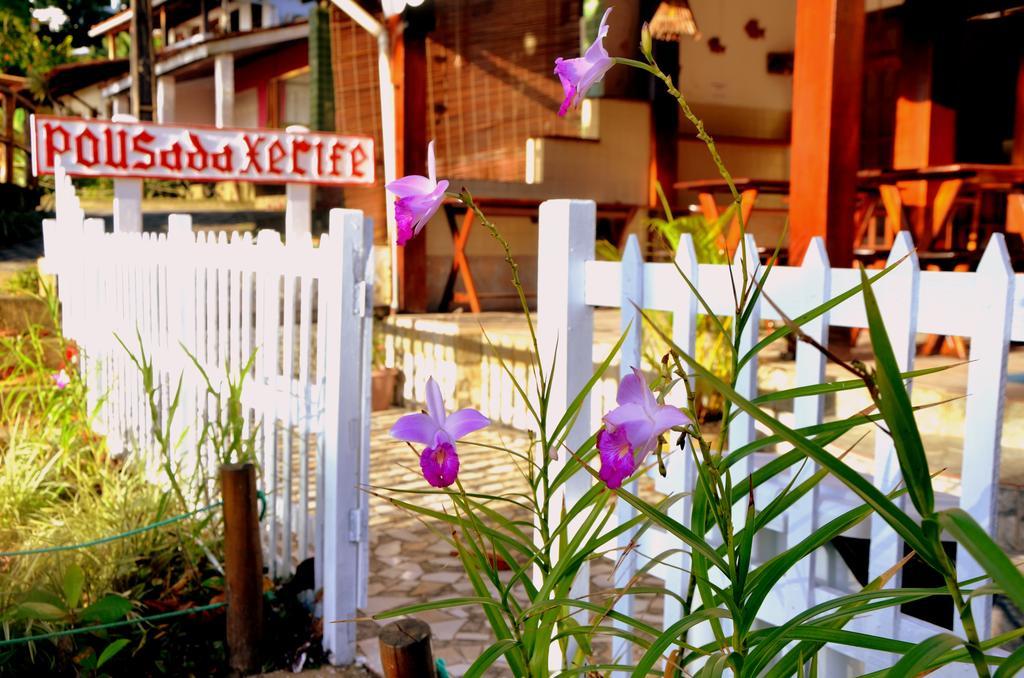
<point x="827" y="83"/>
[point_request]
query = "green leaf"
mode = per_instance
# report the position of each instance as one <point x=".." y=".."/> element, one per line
<point x="110" y="650"/>
<point x="992" y="559"/>
<point x="34" y="609"/>
<point x="669" y="637"/>
<point x="74" y="580"/>
<point x="839" y="386"/>
<point x="919" y="658"/>
<point x="109" y="608"/>
<point x="1012" y="665"/>
<point x="490" y="655"/>
<point x="442" y="604"/>
<point x="894" y="404"/>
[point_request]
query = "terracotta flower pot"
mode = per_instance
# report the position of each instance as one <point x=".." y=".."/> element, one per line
<point x="384" y="381"/>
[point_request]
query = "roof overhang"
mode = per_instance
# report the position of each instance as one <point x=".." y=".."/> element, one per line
<point x="229" y="44"/>
<point x="116" y="23"/>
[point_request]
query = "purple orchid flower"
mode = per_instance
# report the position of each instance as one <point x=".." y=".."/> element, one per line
<point x="419" y="198"/>
<point x="580" y="74"/>
<point x="439" y="431"/>
<point x="61" y="380"/>
<point x="632" y="429"/>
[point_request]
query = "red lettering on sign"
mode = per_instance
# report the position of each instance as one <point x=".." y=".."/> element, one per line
<point x="171" y="157"/>
<point x="275" y="153"/>
<point x="51" y="147"/>
<point x="318" y="149"/>
<point x="299" y="145"/>
<point x="113" y="160"/>
<point x="252" y="149"/>
<point x="359" y="156"/>
<point x="140" y="140"/>
<point x="337" y="155"/>
<point x="86" y="136"/>
<point x="221" y="160"/>
<point x="197" y="158"/>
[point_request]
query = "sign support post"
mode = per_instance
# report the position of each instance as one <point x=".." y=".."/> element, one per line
<point x="127" y="195"/>
<point x="298" y="200"/>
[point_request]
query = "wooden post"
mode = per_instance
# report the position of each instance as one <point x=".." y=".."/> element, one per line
<point x="827" y="75"/>
<point x="243" y="566"/>
<point x="405" y="650"/>
<point x="141" y="61"/>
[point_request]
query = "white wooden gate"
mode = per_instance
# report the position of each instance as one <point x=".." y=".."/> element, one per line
<point x="976" y="305"/>
<point x="305" y="311"/>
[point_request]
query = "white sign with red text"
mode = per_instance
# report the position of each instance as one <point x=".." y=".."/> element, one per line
<point x="102" y="148"/>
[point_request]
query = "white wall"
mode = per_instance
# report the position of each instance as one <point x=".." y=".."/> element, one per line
<point x="732" y="90"/>
<point x="247" y="108"/>
<point x="194" y="102"/>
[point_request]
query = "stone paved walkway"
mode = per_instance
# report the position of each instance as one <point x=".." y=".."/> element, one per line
<point x="409" y="563"/>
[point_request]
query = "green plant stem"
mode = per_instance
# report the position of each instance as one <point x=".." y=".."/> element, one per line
<point x="973" y="644"/>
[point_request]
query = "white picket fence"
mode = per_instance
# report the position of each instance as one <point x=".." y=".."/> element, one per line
<point x="305" y="311"/>
<point x="975" y="305"/>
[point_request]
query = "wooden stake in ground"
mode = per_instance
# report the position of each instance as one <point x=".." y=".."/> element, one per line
<point x="405" y="650"/>
<point x="243" y="567"/>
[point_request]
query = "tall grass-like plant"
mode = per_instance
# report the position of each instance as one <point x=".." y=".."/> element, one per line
<point x="523" y="552"/>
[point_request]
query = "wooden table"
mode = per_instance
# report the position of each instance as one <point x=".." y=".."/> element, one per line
<point x="949" y="185"/>
<point x="494" y="207"/>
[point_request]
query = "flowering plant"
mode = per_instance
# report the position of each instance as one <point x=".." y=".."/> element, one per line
<point x="547" y="538"/>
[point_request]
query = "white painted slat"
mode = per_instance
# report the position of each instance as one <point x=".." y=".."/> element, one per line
<point x="992" y="295"/>
<point x="631" y="324"/>
<point x="288" y="415"/>
<point x="680" y="471"/>
<point x="741" y="429"/>
<point x="803" y="519"/>
<point x="343" y="434"/>
<point x="564" y="320"/>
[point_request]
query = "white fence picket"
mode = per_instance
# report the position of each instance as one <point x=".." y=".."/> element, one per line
<point x="564" y="321"/>
<point x="223" y="297"/>
<point x="911" y="301"/>
<point x="631" y="325"/>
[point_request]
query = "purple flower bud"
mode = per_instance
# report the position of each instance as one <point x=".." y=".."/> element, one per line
<point x="579" y="75"/>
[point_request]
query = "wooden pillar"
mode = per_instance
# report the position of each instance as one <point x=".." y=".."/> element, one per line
<point x="224" y="89"/>
<point x="10" y="103"/>
<point x="827" y="84"/>
<point x="1015" y="201"/>
<point x="925" y="128"/>
<point x="141" y="61"/>
<point x="409" y="69"/>
<point x="1017" y="153"/>
<point x="243" y="567"/>
<point x="204" y="20"/>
